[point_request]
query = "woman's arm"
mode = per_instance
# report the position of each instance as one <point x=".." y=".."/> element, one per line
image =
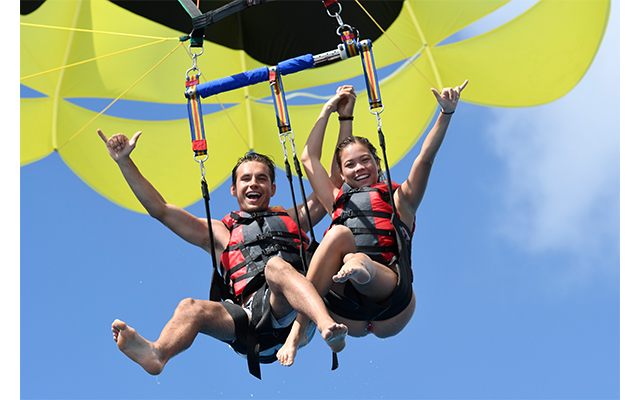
<point x="321" y="182"/>
<point x="411" y="192"/>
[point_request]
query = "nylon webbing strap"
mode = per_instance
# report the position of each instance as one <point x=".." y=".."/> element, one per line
<point x="284" y="128"/>
<point x="198" y="140"/>
<point x="349" y="41"/>
<point x="332" y="6"/>
<point x="370" y="74"/>
<point x="190" y="7"/>
<point x="279" y="101"/>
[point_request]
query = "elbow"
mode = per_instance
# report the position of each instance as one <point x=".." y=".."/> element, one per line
<point x="155" y="214"/>
<point x="158" y="212"/>
<point x="305" y="158"/>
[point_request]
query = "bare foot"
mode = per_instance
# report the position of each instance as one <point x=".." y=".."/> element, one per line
<point x="137" y="348"/>
<point x="336" y="337"/>
<point x="358" y="268"/>
<point x="287" y="353"/>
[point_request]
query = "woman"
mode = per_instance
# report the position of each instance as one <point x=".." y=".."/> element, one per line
<point x="355" y="270"/>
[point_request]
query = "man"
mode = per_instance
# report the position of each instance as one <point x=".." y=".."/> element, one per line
<point x="284" y="293"/>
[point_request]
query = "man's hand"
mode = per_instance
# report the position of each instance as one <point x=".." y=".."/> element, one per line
<point x="119" y="146"/>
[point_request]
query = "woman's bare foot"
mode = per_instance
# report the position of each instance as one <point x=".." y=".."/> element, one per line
<point x="357" y="267"/>
<point x="137" y="348"/>
<point x="336" y="336"/>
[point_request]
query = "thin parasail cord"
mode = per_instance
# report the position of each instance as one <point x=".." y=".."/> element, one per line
<point x="407" y="58"/>
<point x="96" y="58"/>
<point x="118" y="98"/>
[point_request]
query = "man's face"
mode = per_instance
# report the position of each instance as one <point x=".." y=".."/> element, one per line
<point x="253" y="187"/>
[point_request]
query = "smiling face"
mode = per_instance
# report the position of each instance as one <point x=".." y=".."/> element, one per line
<point x="253" y="186"/>
<point x="358" y="166"/>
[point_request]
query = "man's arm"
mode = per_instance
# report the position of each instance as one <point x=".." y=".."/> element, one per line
<point x="189" y="227"/>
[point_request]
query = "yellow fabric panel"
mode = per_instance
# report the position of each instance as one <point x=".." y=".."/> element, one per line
<point x="440" y="19"/>
<point x="164" y="155"/>
<point x="534" y="59"/>
<point x="35" y="129"/>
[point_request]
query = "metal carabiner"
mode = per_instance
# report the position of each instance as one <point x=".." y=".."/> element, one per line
<point x="194" y="62"/>
<point x="201" y="162"/>
<point x="282" y="137"/>
<point x="377" y="114"/>
<point x="338" y="13"/>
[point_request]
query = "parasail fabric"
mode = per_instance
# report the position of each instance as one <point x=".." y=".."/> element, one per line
<point x="543" y="53"/>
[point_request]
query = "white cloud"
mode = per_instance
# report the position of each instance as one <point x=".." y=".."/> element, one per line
<point x="562" y="165"/>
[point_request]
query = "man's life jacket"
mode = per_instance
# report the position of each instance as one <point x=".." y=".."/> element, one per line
<point x="380" y="234"/>
<point x="255" y="238"/>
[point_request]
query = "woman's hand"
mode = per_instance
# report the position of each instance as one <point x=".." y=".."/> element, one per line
<point x="448" y="100"/>
<point x="343" y="101"/>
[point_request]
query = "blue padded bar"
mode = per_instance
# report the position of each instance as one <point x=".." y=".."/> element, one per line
<point x="252" y="77"/>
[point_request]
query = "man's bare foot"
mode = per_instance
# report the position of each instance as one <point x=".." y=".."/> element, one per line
<point x="137" y="348"/>
<point x="287" y="353"/>
<point x="358" y="268"/>
<point x="336" y="337"/>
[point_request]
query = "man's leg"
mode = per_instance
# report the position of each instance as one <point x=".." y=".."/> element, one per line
<point x="290" y="291"/>
<point x="190" y="318"/>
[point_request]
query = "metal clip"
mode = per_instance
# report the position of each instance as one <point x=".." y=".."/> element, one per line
<point x="201" y="162"/>
<point x="194" y="62"/>
<point x="377" y="114"/>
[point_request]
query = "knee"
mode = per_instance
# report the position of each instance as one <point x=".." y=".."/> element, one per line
<point x="188" y="306"/>
<point x="276" y="266"/>
<point x="341" y="236"/>
<point x="358" y="257"/>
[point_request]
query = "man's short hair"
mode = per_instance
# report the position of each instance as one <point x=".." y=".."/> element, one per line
<point x="253" y="156"/>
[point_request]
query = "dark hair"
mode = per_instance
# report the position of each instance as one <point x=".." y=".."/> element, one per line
<point x="252" y="156"/>
<point x="349" y="140"/>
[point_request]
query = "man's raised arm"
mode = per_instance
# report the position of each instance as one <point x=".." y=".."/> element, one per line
<point x="189" y="227"/>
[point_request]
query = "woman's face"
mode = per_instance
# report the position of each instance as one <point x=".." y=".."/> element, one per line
<point x="359" y="168"/>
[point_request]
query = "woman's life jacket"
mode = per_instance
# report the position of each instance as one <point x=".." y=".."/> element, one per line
<point x="255" y="238"/>
<point x="367" y="213"/>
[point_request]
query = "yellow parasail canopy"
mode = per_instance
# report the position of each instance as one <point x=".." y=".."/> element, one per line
<point x="111" y="53"/>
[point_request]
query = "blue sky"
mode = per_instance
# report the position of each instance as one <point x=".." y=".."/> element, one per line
<point x="516" y="263"/>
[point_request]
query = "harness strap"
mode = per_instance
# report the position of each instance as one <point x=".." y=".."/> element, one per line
<point x="346" y="195"/>
<point x="271" y="236"/>
<point x="272" y="249"/>
<point x="347" y="214"/>
<point x="370" y="74"/>
<point x="194" y="107"/>
<point x="241" y="220"/>
<point x="349" y="41"/>
<point x="284" y="131"/>
<point x="210" y="17"/>
<point x="332" y="6"/>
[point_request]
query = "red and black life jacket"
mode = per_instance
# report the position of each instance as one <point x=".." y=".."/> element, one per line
<point x="255" y="238"/>
<point x="367" y="213"/>
<point x="384" y="238"/>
